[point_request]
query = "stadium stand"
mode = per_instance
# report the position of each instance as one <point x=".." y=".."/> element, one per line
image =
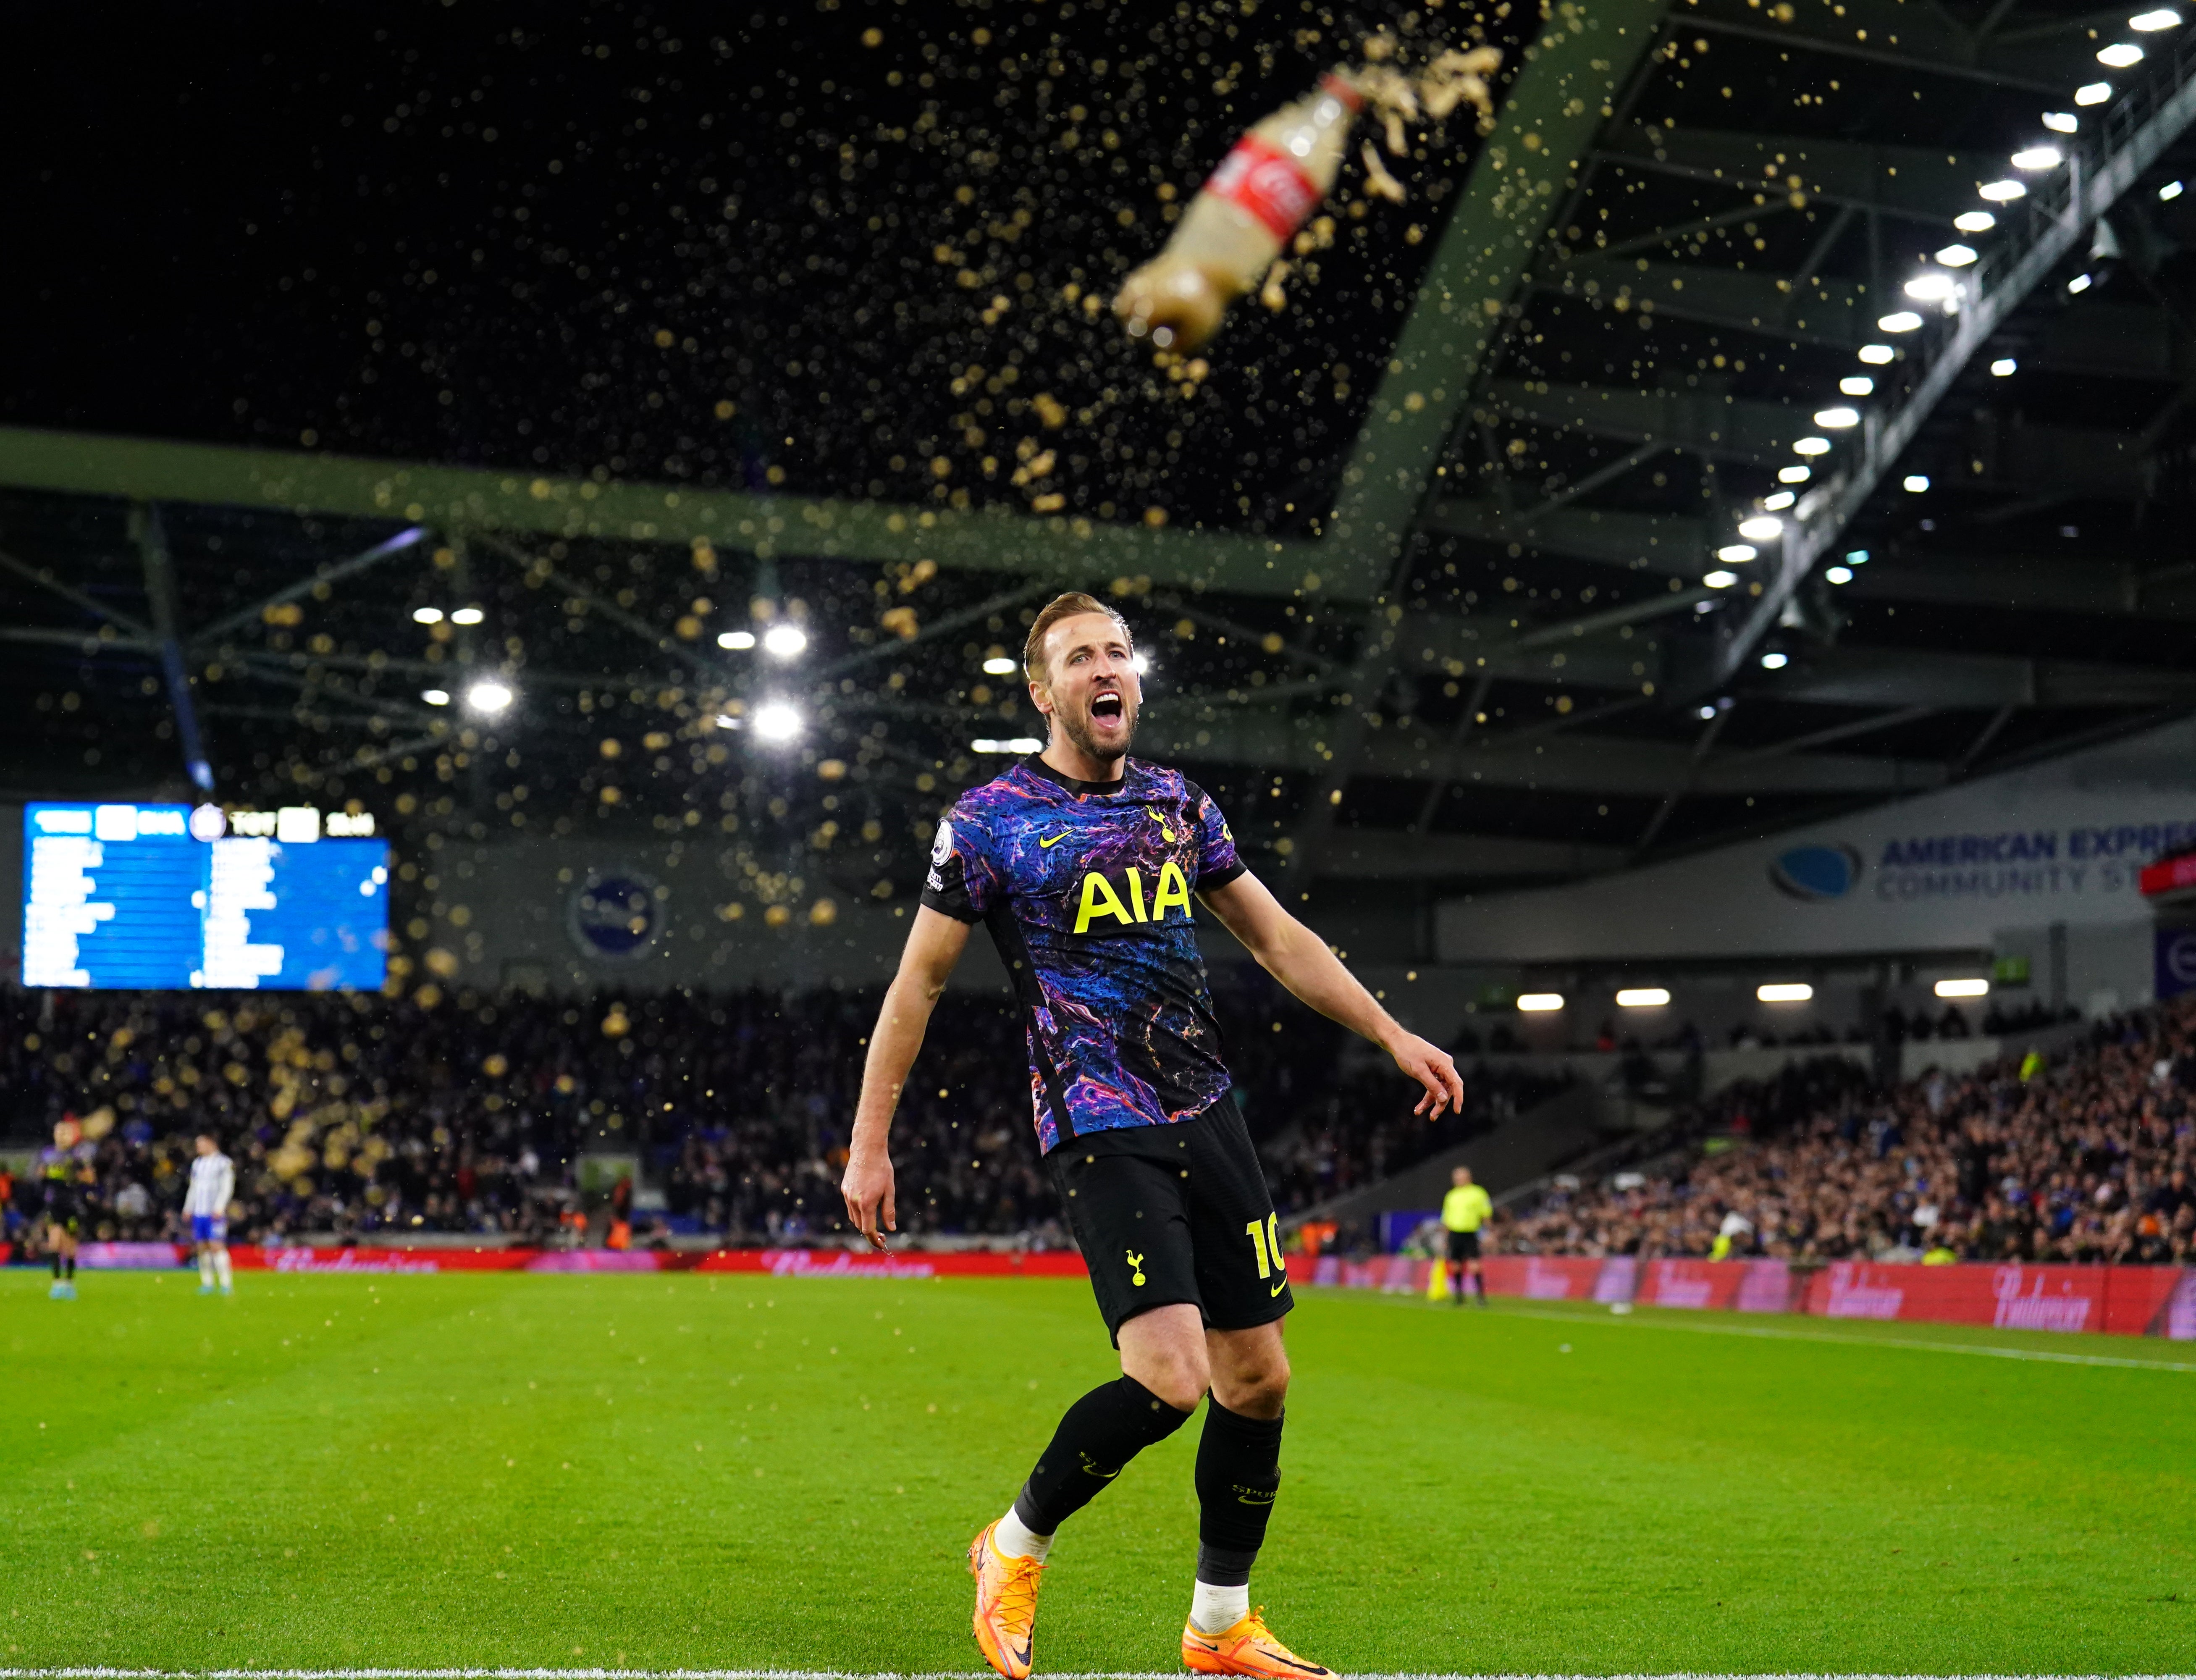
<point x="2083" y="1158"/>
<point x="362" y="1116"/>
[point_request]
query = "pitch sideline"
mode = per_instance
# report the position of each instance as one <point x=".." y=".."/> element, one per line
<point x="1769" y="1333"/>
<point x="887" y="1674"/>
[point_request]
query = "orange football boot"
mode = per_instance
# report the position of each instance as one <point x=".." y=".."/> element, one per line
<point x="1247" y="1648"/>
<point x="1006" y="1605"/>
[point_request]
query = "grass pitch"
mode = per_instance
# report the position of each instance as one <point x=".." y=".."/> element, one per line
<point x="665" y="1472"/>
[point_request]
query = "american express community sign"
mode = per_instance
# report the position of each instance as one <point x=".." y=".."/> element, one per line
<point x="2136" y="843"/>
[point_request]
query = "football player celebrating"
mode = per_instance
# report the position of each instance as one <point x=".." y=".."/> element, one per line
<point x="1086" y="865"/>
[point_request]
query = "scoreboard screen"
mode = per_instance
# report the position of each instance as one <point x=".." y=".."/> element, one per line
<point x="159" y="897"/>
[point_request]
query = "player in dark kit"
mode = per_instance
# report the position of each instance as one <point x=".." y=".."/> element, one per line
<point x="1085" y="865"/>
<point x="64" y="1170"/>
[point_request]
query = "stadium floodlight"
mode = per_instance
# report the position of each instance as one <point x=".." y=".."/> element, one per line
<point x="1914" y="481"/>
<point x="777" y="722"/>
<point x="489" y="696"/>
<point x="1779" y="991"/>
<point x="2035" y="158"/>
<point x="1963" y="988"/>
<point x="1540" y="1002"/>
<point x="2169" y="191"/>
<point x="1931" y="288"/>
<point x="1838" y="574"/>
<point x="1857" y="384"/>
<point x="1876" y="355"/>
<point x="2004" y="366"/>
<point x="2078" y="285"/>
<point x="1899" y="321"/>
<point x="1642" y="997"/>
<point x="1774" y="662"/>
<point x="1017" y="744"/>
<point x="1974" y="221"/>
<point x="1778" y="500"/>
<point x="1761" y="528"/>
<point x="2002" y="192"/>
<point x="1142" y="662"/>
<point x="467" y="615"/>
<point x="1704" y="712"/>
<point x="1721" y="579"/>
<point x="2161" y="17"/>
<point x="998" y="665"/>
<point x="784" y="641"/>
<point x="426" y="614"/>
<point x="2120" y="55"/>
<point x="1956" y="256"/>
<point x="1856" y="557"/>
<point x="1735" y="553"/>
<point x="1810" y="446"/>
<point x="738" y="640"/>
<point x="2093" y="93"/>
<point x="435" y="696"/>
<point x="2061" y="122"/>
<point x="1836" y="419"/>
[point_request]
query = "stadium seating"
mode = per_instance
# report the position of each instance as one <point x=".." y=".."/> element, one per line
<point x="2085" y="1157"/>
<point x="368" y="1116"/>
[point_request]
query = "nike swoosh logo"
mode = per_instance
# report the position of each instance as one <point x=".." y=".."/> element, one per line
<point x="1203" y="1645"/>
<point x="1278" y="1288"/>
<point x="1055" y="840"/>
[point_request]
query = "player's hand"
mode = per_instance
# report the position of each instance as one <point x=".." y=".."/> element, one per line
<point x="868" y="1188"/>
<point x="1432" y="1067"/>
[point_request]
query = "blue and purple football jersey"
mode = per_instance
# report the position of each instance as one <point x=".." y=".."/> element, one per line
<point x="1088" y="889"/>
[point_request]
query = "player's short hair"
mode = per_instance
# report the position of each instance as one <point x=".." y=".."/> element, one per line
<point x="1070" y="605"/>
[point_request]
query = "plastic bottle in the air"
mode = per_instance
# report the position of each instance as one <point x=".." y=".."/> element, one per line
<point x="1236" y="227"/>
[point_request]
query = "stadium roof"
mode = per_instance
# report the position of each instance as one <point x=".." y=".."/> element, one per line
<point x="1437" y="571"/>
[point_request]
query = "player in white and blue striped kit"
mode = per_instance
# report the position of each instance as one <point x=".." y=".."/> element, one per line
<point x="206" y="1205"/>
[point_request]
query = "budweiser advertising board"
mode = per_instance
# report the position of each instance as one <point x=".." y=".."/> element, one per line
<point x="2119" y="1300"/>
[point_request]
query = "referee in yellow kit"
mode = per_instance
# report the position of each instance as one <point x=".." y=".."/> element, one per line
<point x="1463" y="1210"/>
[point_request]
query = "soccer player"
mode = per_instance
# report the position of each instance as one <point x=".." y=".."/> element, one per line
<point x="65" y="1171"/>
<point x="1084" y="864"/>
<point x="206" y="1205"/>
<point x="1463" y="1210"/>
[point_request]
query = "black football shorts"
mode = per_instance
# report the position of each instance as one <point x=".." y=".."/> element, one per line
<point x="1168" y="1215"/>
<point x="1463" y="1245"/>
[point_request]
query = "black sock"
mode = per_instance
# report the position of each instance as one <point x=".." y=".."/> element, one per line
<point x="57" y="1265"/>
<point x="1239" y="1471"/>
<point x="1099" y="1434"/>
<point x="1479" y="1283"/>
<point x="71" y="1263"/>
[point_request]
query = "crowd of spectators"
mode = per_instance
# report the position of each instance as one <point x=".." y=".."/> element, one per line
<point x="2084" y="1155"/>
<point x="355" y="1114"/>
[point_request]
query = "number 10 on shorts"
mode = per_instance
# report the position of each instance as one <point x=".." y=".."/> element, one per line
<point x="1265" y="1237"/>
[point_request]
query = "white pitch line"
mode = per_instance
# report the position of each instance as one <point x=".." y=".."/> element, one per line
<point x="889" y="1674"/>
<point x="2043" y="1354"/>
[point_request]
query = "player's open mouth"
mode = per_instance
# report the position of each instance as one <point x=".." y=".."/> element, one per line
<point x="1107" y="704"/>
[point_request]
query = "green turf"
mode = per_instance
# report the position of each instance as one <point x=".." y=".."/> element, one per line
<point x="667" y="1472"/>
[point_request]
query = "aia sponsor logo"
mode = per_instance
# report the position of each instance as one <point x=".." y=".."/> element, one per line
<point x="1112" y="903"/>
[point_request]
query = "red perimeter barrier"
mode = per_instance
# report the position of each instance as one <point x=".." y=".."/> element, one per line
<point x="776" y="1262"/>
<point x="2122" y="1300"/>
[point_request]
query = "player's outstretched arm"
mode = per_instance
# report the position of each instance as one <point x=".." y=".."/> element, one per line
<point x="1301" y="961"/>
<point x="934" y="944"/>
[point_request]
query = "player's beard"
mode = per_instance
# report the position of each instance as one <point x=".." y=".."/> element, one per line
<point x="1077" y="728"/>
